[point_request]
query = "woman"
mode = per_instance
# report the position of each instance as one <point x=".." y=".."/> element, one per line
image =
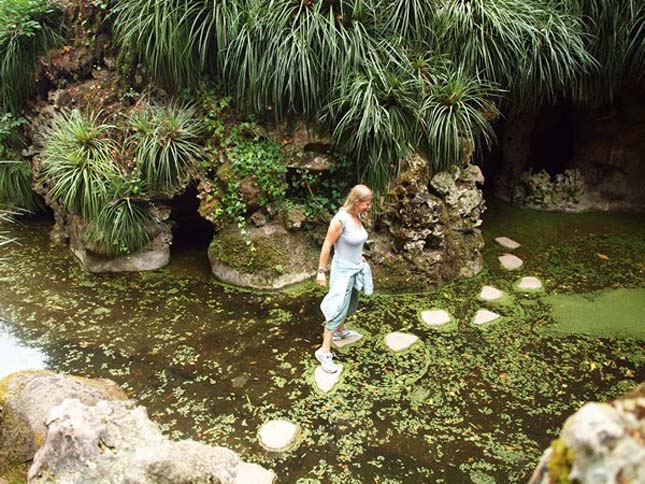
<point x="349" y="271"/>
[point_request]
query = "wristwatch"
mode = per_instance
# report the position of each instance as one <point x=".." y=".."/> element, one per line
<point x="321" y="270"/>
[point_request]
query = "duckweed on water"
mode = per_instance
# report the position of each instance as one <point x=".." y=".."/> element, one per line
<point x="212" y="363"/>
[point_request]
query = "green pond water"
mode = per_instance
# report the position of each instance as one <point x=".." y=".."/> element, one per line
<point x="467" y="404"/>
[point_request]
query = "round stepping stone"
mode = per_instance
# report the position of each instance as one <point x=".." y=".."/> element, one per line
<point x="326" y="381"/>
<point x="277" y="435"/>
<point x="435" y="317"/>
<point x="529" y="283"/>
<point x="400" y="341"/>
<point x="510" y="262"/>
<point x="507" y="243"/>
<point x="248" y="473"/>
<point x="490" y="293"/>
<point x="347" y="341"/>
<point x="484" y="316"/>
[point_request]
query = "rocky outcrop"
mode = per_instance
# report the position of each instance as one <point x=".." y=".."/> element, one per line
<point x="82" y="431"/>
<point x="27" y="397"/>
<point x="538" y="190"/>
<point x="266" y="257"/>
<point x="602" y="443"/>
<point x="431" y="226"/>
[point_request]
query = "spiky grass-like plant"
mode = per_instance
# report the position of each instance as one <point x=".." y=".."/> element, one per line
<point x="6" y="216"/>
<point x="165" y="140"/>
<point x="28" y="29"/>
<point x="78" y="160"/>
<point x="455" y="111"/>
<point x="15" y="186"/>
<point x="123" y="226"/>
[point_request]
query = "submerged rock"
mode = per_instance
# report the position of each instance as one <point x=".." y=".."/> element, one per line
<point x="600" y="443"/>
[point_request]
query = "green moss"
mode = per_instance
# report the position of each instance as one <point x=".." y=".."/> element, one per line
<point x="560" y="464"/>
<point x="607" y="313"/>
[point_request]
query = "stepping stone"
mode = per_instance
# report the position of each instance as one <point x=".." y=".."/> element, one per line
<point x="507" y="243"/>
<point x="248" y="473"/>
<point x="435" y="317"/>
<point x="347" y="341"/>
<point x="326" y="381"/>
<point x="277" y="435"/>
<point x="484" y="316"/>
<point x="510" y="262"/>
<point x="490" y="293"/>
<point x="529" y="283"/>
<point x="400" y="341"/>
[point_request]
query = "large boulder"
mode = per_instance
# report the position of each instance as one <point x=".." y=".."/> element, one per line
<point x="27" y="397"/>
<point x="602" y="443"/>
<point x="266" y="257"/>
<point x="114" y="442"/>
<point x="431" y="223"/>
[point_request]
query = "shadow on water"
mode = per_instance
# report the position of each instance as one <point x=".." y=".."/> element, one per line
<point x="212" y="363"/>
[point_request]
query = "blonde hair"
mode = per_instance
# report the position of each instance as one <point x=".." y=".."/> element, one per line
<point x="357" y="194"/>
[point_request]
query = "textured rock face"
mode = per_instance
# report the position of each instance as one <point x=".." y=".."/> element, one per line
<point x="27" y="397"/>
<point x="267" y="257"/>
<point x="602" y="443"/>
<point x="432" y="223"/>
<point x="115" y="442"/>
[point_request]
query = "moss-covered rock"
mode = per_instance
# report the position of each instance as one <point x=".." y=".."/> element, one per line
<point x="267" y="257"/>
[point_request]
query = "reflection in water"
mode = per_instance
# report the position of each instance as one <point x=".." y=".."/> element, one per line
<point x="15" y="356"/>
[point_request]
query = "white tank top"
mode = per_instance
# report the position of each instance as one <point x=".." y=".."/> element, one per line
<point x="349" y="245"/>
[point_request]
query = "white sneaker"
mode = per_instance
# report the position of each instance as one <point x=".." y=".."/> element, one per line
<point x="326" y="361"/>
<point x="345" y="334"/>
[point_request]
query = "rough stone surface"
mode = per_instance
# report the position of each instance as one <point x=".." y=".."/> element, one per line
<point x="435" y="317"/>
<point x="280" y="257"/>
<point x="510" y="262"/>
<point x="326" y="381"/>
<point x="507" y="243"/>
<point x="400" y="341"/>
<point x="347" y="341"/>
<point x="529" y="283"/>
<point x="484" y="316"/>
<point x="254" y="474"/>
<point x="27" y="397"/>
<point x="490" y="293"/>
<point x="114" y="442"/>
<point x="429" y="230"/>
<point x="602" y="443"/>
<point x="278" y="435"/>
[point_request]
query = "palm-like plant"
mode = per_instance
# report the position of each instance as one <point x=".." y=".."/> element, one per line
<point x="28" y="29"/>
<point x="123" y="226"/>
<point x="165" y="141"/>
<point x="6" y="216"/>
<point x="78" y="161"/>
<point x="15" y="186"/>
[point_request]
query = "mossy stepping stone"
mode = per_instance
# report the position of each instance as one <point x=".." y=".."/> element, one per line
<point x="490" y="293"/>
<point x="510" y="262"/>
<point x="347" y="341"/>
<point x="529" y="284"/>
<point x="248" y="473"/>
<point x="326" y="381"/>
<point x="507" y="243"/>
<point x="278" y="435"/>
<point x="400" y="341"/>
<point x="484" y="316"/>
<point x="435" y="317"/>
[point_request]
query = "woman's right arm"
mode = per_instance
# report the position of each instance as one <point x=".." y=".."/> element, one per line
<point x="333" y="232"/>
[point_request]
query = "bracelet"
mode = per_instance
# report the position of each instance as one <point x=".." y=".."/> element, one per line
<point x="321" y="270"/>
